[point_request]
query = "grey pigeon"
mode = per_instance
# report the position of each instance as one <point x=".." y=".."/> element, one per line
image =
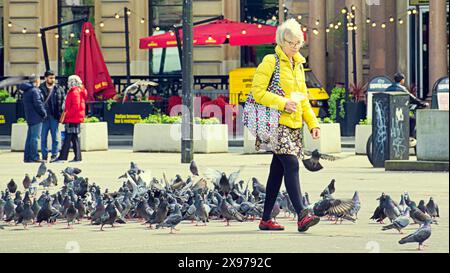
<point x="71" y="214"/>
<point x="418" y="216"/>
<point x="357" y="205"/>
<point x="2" y="209"/>
<point x="402" y="204"/>
<point x="26" y="217"/>
<point x="12" y="186"/>
<point x="201" y="209"/>
<point x="193" y="168"/>
<point x="110" y="216"/>
<point x="330" y="189"/>
<point x="419" y="236"/>
<point x="160" y="215"/>
<point x="9" y="209"/>
<point x="422" y="206"/>
<point x="173" y="219"/>
<point x="390" y="210"/>
<point x="432" y="208"/>
<point x="400" y="222"/>
<point x="26" y="182"/>
<point x="41" y="170"/>
<point x="228" y="211"/>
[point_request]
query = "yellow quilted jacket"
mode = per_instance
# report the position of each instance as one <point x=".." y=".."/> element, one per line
<point x="291" y="80"/>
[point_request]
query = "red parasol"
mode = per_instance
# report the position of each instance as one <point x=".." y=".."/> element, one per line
<point x="91" y="67"/>
<point x="216" y="33"/>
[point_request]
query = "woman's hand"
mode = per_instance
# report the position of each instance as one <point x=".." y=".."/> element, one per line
<point x="291" y="106"/>
<point x="315" y="133"/>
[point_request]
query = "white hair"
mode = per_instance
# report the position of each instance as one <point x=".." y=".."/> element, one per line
<point x="73" y="81"/>
<point x="290" y="29"/>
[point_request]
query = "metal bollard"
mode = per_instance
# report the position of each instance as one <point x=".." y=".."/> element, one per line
<point x="390" y="127"/>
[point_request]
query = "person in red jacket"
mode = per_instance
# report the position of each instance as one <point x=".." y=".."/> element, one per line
<point x="74" y="115"/>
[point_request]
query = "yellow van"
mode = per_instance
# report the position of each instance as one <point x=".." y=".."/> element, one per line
<point x="241" y="82"/>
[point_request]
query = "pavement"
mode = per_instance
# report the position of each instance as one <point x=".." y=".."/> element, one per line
<point x="351" y="173"/>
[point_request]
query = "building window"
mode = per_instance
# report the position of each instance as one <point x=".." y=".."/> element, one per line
<point x="164" y="14"/>
<point x="264" y="12"/>
<point x="69" y="36"/>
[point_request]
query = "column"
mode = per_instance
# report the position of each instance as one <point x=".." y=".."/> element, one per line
<point x="317" y="40"/>
<point x="438" y="42"/>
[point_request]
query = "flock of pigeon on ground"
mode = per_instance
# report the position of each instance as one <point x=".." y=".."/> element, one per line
<point x="199" y="198"/>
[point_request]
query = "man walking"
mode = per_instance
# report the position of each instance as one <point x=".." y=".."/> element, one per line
<point x="35" y="113"/>
<point x="53" y="95"/>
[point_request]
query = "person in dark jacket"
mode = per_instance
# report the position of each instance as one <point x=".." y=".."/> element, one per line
<point x="35" y="113"/>
<point x="415" y="103"/>
<point x="75" y="113"/>
<point x="53" y="100"/>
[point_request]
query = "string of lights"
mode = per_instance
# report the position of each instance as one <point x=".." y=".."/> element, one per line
<point x="334" y="24"/>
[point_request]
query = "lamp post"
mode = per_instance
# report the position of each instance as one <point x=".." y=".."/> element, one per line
<point x="187" y="134"/>
<point x="127" y="45"/>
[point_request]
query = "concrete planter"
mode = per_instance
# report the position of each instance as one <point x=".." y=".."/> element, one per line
<point x="362" y="134"/>
<point x="432" y="135"/>
<point x="167" y="138"/>
<point x="93" y="137"/>
<point x="329" y="143"/>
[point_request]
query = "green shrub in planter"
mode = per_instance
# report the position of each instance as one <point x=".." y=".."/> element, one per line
<point x="91" y="120"/>
<point x="6" y="98"/>
<point x="21" y="121"/>
<point x="367" y="121"/>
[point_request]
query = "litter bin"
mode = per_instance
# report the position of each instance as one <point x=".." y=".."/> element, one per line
<point x="390" y="127"/>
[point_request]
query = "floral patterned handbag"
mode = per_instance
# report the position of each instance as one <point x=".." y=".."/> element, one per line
<point x="260" y="120"/>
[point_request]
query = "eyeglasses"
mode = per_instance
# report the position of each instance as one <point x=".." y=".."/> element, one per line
<point x="292" y="44"/>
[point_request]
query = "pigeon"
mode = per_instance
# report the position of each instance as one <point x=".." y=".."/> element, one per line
<point x="35" y="207"/>
<point x="312" y="164"/>
<point x="12" y="186"/>
<point x="378" y="214"/>
<point x="2" y="208"/>
<point x="26" y="216"/>
<point x="402" y="204"/>
<point x="418" y="216"/>
<point x="193" y="168"/>
<point x="160" y="214"/>
<point x="330" y="189"/>
<point x="98" y="211"/>
<point x="54" y="178"/>
<point x="13" y="81"/>
<point x="221" y="181"/>
<point x="132" y="89"/>
<point x="432" y="208"/>
<point x="173" y="219"/>
<point x="110" y="216"/>
<point x="228" y="211"/>
<point x="422" y="206"/>
<point x="258" y="188"/>
<point x="357" y="205"/>
<point x="72" y="171"/>
<point x="400" y="222"/>
<point x="201" y="210"/>
<point x="71" y="214"/>
<point x="26" y="182"/>
<point x="41" y="170"/>
<point x="276" y="209"/>
<point x="419" y="236"/>
<point x="340" y="209"/>
<point x="390" y="210"/>
<point x="46" y="213"/>
<point x="9" y="209"/>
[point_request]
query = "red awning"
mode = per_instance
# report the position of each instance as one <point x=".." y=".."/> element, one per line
<point x="216" y="33"/>
<point x="91" y="67"/>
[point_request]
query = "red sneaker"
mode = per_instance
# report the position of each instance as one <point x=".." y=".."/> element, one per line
<point x="307" y="221"/>
<point x="270" y="225"/>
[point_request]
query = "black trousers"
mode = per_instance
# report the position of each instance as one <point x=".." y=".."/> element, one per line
<point x="287" y="166"/>
<point x="75" y="141"/>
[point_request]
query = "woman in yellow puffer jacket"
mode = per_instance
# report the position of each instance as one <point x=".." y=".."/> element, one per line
<point x="295" y="108"/>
